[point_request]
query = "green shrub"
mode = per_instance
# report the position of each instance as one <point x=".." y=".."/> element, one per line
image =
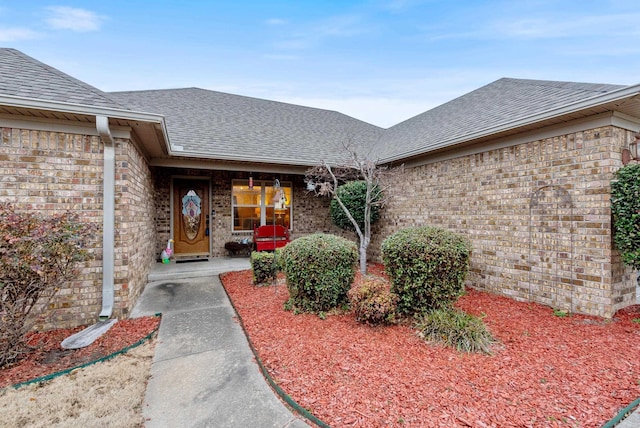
<point x="427" y="267"/>
<point x="456" y="329"/>
<point x="372" y="301"/>
<point x="354" y="196"/>
<point x="625" y="207"/>
<point x="263" y="266"/>
<point x="279" y="260"/>
<point x="38" y="255"/>
<point x="319" y="269"/>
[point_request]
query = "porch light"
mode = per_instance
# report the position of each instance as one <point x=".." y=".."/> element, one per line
<point x="631" y="153"/>
<point x="311" y="186"/>
<point x="633" y="147"/>
<point x="251" y="182"/>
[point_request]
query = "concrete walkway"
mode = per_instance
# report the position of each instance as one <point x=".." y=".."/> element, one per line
<point x="203" y="372"/>
<point x="631" y="421"/>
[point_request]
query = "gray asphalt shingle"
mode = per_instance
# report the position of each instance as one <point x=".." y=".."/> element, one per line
<point x="218" y="124"/>
<point x="501" y="102"/>
<point x="23" y="76"/>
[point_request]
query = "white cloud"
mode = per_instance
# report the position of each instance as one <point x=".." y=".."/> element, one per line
<point x="279" y="57"/>
<point x="341" y="26"/>
<point x="74" y="19"/>
<point x="574" y="26"/>
<point x="17" y="34"/>
<point x="275" y="21"/>
<point x="540" y="27"/>
<point x="401" y="5"/>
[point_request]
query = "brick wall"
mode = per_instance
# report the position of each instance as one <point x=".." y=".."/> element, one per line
<point x="55" y="172"/>
<point x="538" y="215"/>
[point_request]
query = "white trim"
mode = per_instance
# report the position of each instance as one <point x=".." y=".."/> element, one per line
<point x="625" y="121"/>
<point x="58" y="106"/>
<point x="578" y="125"/>
<point x="225" y="166"/>
<point x="81" y="109"/>
<point x="57" y="125"/>
<point x="595" y="101"/>
<point x="237" y="157"/>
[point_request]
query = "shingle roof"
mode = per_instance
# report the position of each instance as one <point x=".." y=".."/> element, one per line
<point x="217" y="125"/>
<point x="501" y="102"/>
<point x="23" y="76"/>
<point x="224" y="126"/>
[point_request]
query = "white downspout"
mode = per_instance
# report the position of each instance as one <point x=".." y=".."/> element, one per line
<point x="108" y="216"/>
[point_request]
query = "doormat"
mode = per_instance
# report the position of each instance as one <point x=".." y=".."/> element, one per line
<point x="192" y="260"/>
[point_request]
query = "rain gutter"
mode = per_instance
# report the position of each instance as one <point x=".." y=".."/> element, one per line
<point x="108" y="217"/>
<point x="74" y="108"/>
<point x="595" y="101"/>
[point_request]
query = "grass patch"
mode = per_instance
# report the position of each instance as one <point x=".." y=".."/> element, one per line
<point x="560" y="313"/>
<point x="456" y="329"/>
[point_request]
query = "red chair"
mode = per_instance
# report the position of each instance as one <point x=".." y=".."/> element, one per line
<point x="268" y="238"/>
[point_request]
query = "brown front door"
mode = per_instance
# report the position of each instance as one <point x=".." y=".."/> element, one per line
<point x="190" y="216"/>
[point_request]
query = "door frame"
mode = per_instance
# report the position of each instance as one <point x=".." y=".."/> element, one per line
<point x="207" y="216"/>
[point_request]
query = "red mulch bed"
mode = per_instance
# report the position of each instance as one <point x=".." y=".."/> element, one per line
<point x="48" y="357"/>
<point x="577" y="371"/>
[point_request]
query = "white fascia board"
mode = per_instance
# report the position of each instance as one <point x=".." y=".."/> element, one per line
<point x="625" y="121"/>
<point x="242" y="158"/>
<point x="56" y="106"/>
<point x="59" y="125"/>
<point x="552" y="131"/>
<point x="224" y="166"/>
<point x="595" y="101"/>
<point x="577" y="125"/>
<point x="63" y="107"/>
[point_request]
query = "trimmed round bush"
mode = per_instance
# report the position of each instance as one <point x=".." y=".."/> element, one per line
<point x="427" y="267"/>
<point x="263" y="266"/>
<point x="372" y="301"/>
<point x="319" y="269"/>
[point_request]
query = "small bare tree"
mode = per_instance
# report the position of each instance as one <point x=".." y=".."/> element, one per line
<point x="38" y="255"/>
<point x="324" y="180"/>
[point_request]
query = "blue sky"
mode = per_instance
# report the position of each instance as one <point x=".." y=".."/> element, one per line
<point x="381" y="61"/>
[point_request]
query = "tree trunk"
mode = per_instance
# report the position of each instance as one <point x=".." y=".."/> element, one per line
<point x="363" y="260"/>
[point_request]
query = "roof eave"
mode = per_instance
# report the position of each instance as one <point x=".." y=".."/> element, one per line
<point x="241" y="158"/>
<point x="598" y="100"/>
<point x="89" y="110"/>
<point x="156" y="120"/>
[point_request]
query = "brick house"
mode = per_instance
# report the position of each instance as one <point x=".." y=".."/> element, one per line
<point x="521" y="167"/>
